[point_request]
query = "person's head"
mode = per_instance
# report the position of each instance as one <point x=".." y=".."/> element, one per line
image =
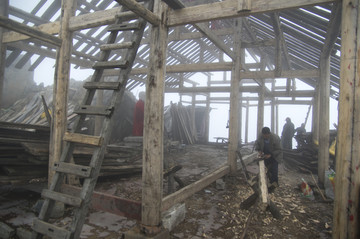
<point x="266" y="132"/>
<point x="142" y="96"/>
<point x="302" y="125"/>
<point x="288" y="120"/>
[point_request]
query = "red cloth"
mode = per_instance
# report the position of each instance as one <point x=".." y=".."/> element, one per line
<point x="138" y="123"/>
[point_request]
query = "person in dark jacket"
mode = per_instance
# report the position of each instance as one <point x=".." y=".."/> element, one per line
<point x="268" y="147"/>
<point x="287" y="134"/>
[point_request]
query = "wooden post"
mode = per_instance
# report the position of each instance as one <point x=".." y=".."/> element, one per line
<point x="240" y="116"/>
<point x="277" y="118"/>
<point x="234" y="101"/>
<point x="323" y="154"/>
<point x="315" y="116"/>
<point x="4" y="6"/>
<point x="260" y="112"/>
<point x="61" y="85"/>
<point x="153" y="126"/>
<point x="247" y="123"/>
<point x="347" y="180"/>
<point x="207" y="120"/>
<point x="273" y="129"/>
<point x="332" y="33"/>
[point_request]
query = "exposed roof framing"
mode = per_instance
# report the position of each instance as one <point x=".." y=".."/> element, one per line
<point x="302" y="33"/>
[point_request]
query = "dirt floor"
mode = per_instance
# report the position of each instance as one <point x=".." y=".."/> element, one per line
<point x="214" y="212"/>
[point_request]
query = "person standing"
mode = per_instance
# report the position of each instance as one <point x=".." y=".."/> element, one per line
<point x="287" y="134"/>
<point x="268" y="147"/>
<point x="138" y="121"/>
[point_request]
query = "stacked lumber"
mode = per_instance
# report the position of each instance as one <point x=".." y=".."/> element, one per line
<point x="25" y="152"/>
<point x="180" y="123"/>
<point x="304" y="159"/>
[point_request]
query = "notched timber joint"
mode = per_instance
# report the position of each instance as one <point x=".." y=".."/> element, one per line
<point x="244" y="6"/>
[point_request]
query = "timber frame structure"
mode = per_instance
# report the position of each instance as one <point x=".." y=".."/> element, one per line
<point x="298" y="40"/>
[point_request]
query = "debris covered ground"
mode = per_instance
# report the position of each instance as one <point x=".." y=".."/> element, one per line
<point x="214" y="212"/>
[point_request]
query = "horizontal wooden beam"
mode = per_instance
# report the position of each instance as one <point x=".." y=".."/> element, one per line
<point x="184" y="193"/>
<point x="29" y="31"/>
<point x="141" y="11"/>
<point x="229" y="9"/>
<point x="218" y="89"/>
<point x="284" y="74"/>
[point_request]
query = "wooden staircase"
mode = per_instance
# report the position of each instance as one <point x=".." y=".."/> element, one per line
<point x="42" y="226"/>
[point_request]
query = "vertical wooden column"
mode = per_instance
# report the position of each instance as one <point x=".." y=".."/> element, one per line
<point x="240" y="115"/>
<point x="152" y="174"/>
<point x="4" y="6"/>
<point x="207" y="120"/>
<point x="347" y="180"/>
<point x="61" y="85"/>
<point x="260" y="112"/>
<point x="277" y="118"/>
<point x="234" y="100"/>
<point x="323" y="154"/>
<point x="315" y="116"/>
<point x="273" y="125"/>
<point x="332" y="33"/>
<point x="247" y="122"/>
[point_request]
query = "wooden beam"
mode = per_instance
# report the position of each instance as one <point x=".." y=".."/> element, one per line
<point x="153" y="142"/>
<point x="141" y="11"/>
<point x="324" y="88"/>
<point x="184" y="193"/>
<point x="61" y="86"/>
<point x="347" y="181"/>
<point x="29" y="31"/>
<point x="234" y="100"/>
<point x="229" y="9"/>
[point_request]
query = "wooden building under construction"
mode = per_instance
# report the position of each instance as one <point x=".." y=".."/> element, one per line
<point x="161" y="44"/>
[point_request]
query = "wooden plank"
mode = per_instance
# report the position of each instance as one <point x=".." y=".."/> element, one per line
<point x="184" y="193"/>
<point x="60" y="197"/>
<point x="229" y="9"/>
<point x="29" y="31"/>
<point x="50" y="230"/>
<point x="116" y="46"/>
<point x="244" y="5"/>
<point x="79" y="170"/>
<point x="102" y="85"/>
<point x="264" y="197"/>
<point x="124" y="26"/>
<point x="94" y="110"/>
<point x="141" y="11"/>
<point x="111" y="64"/>
<point x="83" y="139"/>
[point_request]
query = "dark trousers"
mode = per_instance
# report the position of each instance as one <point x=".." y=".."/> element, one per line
<point x="272" y="166"/>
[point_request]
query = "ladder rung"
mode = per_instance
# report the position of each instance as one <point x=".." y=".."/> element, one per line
<point x="83" y="139"/>
<point x="50" y="230"/>
<point x="125" y="26"/>
<point x="111" y="64"/>
<point x="102" y="85"/>
<point x="61" y="197"/>
<point x="94" y="110"/>
<point x="115" y="46"/>
<point x="79" y="170"/>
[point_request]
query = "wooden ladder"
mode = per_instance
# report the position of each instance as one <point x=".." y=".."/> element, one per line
<point x="126" y="21"/>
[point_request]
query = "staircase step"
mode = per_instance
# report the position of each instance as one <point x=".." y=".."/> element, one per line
<point x="111" y="64"/>
<point x="61" y="197"/>
<point x="79" y="170"/>
<point x="125" y="26"/>
<point x="50" y="230"/>
<point x="83" y="139"/>
<point x="93" y="110"/>
<point x="102" y="85"/>
<point x="116" y="46"/>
